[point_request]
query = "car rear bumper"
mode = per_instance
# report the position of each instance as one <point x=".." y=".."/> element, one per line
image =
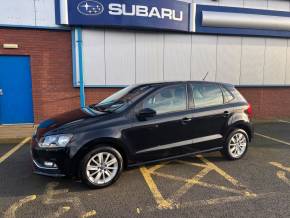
<point x="252" y="132"/>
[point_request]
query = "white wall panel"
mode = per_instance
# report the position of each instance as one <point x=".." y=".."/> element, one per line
<point x="253" y="51"/>
<point x="45" y="12"/>
<point x="17" y="12"/>
<point x="94" y="57"/>
<point x="203" y="57"/>
<point x="260" y="4"/>
<point x="232" y="3"/>
<point x="149" y="57"/>
<point x="275" y="61"/>
<point x="287" y="79"/>
<point x="229" y="59"/>
<point x="282" y="5"/>
<point x="120" y="57"/>
<point x="177" y="49"/>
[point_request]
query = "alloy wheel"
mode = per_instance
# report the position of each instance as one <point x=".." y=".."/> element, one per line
<point x="102" y="168"/>
<point x="237" y="145"/>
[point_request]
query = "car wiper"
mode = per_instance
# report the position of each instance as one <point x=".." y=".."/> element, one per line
<point x="98" y="108"/>
<point x="110" y="107"/>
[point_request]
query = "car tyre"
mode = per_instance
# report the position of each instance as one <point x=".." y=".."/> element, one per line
<point x="101" y="167"/>
<point x="236" y="144"/>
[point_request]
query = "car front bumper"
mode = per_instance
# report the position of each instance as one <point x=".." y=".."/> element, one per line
<point x="46" y="171"/>
<point x="50" y="162"/>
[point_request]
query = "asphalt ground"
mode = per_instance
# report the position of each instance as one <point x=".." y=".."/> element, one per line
<point x="201" y="186"/>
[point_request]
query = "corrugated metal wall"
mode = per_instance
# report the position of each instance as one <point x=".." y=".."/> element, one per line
<point x="126" y="57"/>
<point x="27" y="13"/>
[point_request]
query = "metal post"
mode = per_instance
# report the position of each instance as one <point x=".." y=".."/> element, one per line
<point x="81" y="73"/>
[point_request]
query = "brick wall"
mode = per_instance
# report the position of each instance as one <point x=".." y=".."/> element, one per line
<point x="268" y="103"/>
<point x="51" y="70"/>
<point x="51" y="67"/>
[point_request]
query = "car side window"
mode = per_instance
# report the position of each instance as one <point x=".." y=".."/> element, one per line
<point x="206" y="95"/>
<point x="228" y="96"/>
<point x="170" y="99"/>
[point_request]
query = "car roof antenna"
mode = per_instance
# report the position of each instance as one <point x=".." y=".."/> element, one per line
<point x="205" y="76"/>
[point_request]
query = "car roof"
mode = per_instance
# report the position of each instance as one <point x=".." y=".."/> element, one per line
<point x="179" y="82"/>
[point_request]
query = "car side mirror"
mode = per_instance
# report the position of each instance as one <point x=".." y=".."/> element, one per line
<point x="146" y="113"/>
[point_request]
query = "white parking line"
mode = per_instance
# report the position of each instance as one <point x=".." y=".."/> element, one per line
<point x="273" y="139"/>
<point x="14" y="149"/>
<point x="284" y="121"/>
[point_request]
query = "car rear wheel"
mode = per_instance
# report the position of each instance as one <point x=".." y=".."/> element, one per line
<point x="101" y="167"/>
<point x="236" y="144"/>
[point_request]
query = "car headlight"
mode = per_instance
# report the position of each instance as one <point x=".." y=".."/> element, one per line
<point x="55" y="141"/>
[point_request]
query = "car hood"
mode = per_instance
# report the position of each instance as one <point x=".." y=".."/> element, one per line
<point x="66" y="120"/>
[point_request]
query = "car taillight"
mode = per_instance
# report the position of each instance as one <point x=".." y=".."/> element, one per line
<point x="249" y="111"/>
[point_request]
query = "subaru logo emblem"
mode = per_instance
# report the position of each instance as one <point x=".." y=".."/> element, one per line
<point x="90" y="8"/>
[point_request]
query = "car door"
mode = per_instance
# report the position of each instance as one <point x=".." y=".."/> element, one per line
<point x="166" y="133"/>
<point x="210" y="115"/>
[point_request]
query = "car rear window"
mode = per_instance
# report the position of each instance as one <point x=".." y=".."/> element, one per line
<point x="206" y="95"/>
<point x="237" y="95"/>
<point x="228" y="96"/>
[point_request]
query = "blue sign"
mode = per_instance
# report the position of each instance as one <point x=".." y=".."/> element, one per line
<point x="148" y="14"/>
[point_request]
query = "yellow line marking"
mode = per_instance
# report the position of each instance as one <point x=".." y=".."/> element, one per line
<point x="156" y="167"/>
<point x="66" y="208"/>
<point x="162" y="203"/>
<point x="191" y="164"/>
<point x="220" y="171"/>
<point x="226" y="176"/>
<point x="60" y="212"/>
<point x="220" y="187"/>
<point x="51" y="197"/>
<point x="176" y="178"/>
<point x="189" y="183"/>
<point x="203" y="184"/>
<point x="172" y="202"/>
<point x="89" y="214"/>
<point x="280" y="166"/>
<point x="50" y="192"/>
<point x="273" y="139"/>
<point x="223" y="200"/>
<point x="10" y="213"/>
<point x="13" y="150"/>
<point x="282" y="175"/>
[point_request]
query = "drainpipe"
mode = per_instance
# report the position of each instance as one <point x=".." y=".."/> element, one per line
<point x="81" y="69"/>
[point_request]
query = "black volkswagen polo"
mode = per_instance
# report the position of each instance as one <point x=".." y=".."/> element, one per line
<point x="143" y="124"/>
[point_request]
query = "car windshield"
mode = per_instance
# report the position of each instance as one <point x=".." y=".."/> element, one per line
<point x="121" y="98"/>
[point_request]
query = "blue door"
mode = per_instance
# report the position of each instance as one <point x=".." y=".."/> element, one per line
<point x="15" y="90"/>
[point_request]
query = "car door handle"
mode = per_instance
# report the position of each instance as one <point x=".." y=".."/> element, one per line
<point x="226" y="113"/>
<point x="1" y="92"/>
<point x="186" y="119"/>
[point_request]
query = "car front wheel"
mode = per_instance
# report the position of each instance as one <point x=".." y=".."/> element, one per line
<point x="236" y="145"/>
<point x="101" y="167"/>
